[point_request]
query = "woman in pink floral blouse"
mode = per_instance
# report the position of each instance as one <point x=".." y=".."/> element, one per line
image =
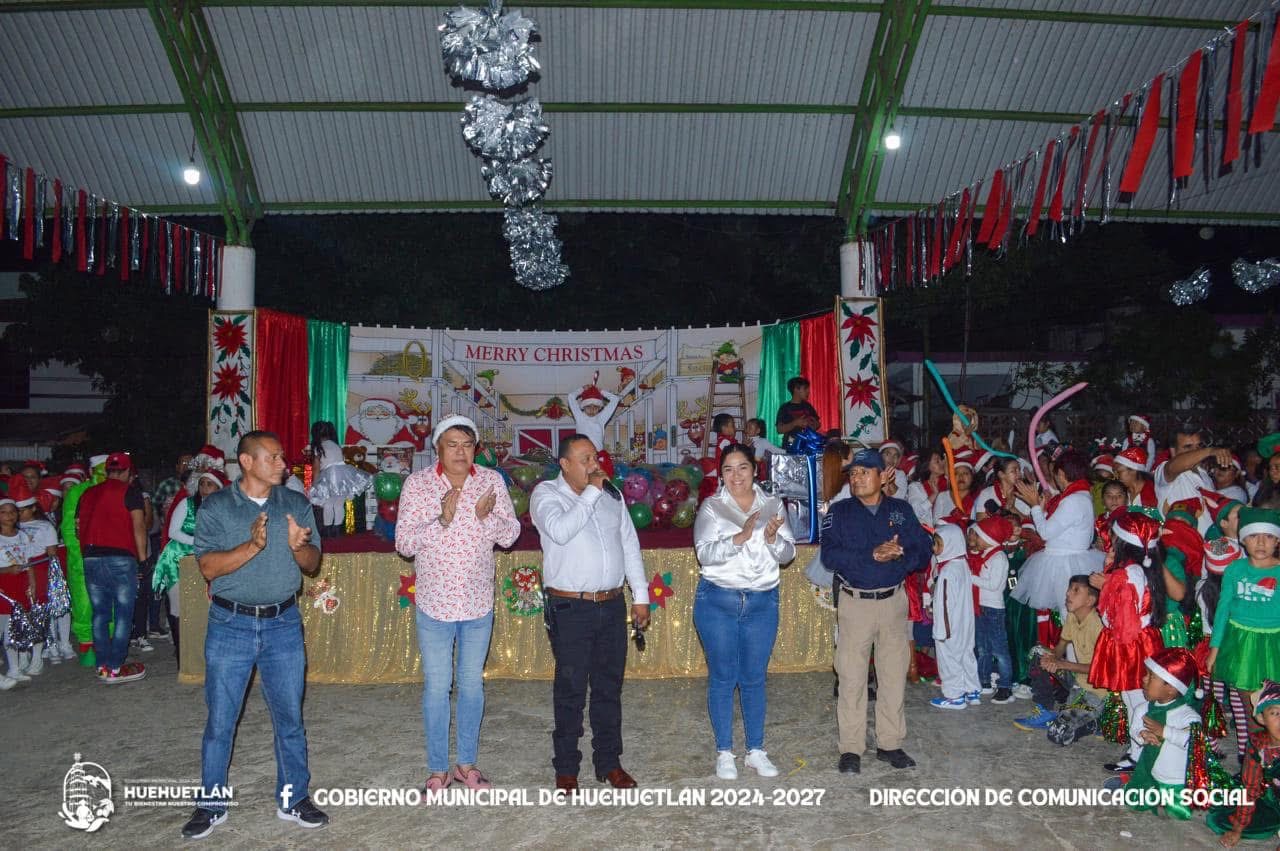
<point x="451" y="517"/>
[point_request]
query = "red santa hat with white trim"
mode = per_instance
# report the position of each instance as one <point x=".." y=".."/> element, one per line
<point x="1105" y="463"/>
<point x="964" y="458"/>
<point x="1135" y="458"/>
<point x="20" y="492"/>
<point x="1140" y="530"/>
<point x="1219" y="553"/>
<point x="209" y="457"/>
<point x="1177" y="667"/>
<point x="994" y="529"/>
<point x="1142" y="418"/>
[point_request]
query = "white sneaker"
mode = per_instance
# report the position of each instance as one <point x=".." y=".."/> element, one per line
<point x="141" y="645"/>
<point x="725" y="768"/>
<point x="1022" y="691"/>
<point x="759" y="760"/>
<point x="988" y="690"/>
<point x="7" y="683"/>
<point x="68" y="652"/>
<point x="35" y="667"/>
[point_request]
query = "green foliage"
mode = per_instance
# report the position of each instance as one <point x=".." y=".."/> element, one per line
<point x="145" y="351"/>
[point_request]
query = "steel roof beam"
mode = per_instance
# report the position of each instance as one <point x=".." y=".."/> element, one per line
<point x="1048" y="16"/>
<point x="184" y="32"/>
<point x="893" y="48"/>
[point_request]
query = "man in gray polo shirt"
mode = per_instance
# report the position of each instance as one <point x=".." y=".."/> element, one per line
<point x="253" y="541"/>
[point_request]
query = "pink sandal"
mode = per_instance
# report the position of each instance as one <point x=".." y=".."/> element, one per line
<point x="471" y="778"/>
<point x="437" y="782"/>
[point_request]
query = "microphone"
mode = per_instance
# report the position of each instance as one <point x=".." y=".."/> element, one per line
<point x="607" y="487"/>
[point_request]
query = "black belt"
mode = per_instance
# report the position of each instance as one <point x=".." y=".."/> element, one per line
<point x="869" y="595"/>
<point x="269" y="611"/>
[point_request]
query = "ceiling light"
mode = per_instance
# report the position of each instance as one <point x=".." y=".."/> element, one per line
<point x="191" y="174"/>
<point x="892" y="141"/>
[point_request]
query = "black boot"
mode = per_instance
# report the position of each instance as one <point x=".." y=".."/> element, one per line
<point x="173" y="631"/>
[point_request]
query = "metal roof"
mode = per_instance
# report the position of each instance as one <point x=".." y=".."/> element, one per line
<point x="655" y="105"/>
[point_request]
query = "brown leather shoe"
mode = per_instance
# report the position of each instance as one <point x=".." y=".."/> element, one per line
<point x="567" y="782"/>
<point x="618" y="779"/>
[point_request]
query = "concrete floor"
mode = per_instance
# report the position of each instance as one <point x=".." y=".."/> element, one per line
<point x="366" y="736"/>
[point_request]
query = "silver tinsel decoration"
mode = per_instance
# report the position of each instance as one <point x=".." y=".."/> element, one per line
<point x="519" y="183"/>
<point x="488" y="47"/>
<point x="1191" y="290"/>
<point x="1255" y="278"/>
<point x="535" y="250"/>
<point x="26" y="626"/>
<point x="503" y="131"/>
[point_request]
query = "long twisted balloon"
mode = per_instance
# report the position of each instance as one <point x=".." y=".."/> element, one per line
<point x="955" y="409"/>
<point x="1035" y="421"/>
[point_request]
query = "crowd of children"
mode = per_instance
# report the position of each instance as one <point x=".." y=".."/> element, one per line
<point x="1131" y="595"/>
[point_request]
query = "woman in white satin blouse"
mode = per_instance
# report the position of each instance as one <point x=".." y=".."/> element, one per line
<point x="742" y="539"/>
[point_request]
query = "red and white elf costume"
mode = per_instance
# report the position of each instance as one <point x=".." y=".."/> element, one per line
<point x="1136" y="458"/>
<point x="1128" y="637"/>
<point x="592" y="423"/>
<point x="1139" y="437"/>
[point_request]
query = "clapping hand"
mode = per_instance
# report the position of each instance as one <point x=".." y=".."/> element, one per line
<point x="449" y="505"/>
<point x="1152" y="731"/>
<point x="889" y="482"/>
<point x="258" y="532"/>
<point x="299" y="536"/>
<point x="747" y="528"/>
<point x="888" y="551"/>
<point x="485" y="504"/>
<point x="771" y="528"/>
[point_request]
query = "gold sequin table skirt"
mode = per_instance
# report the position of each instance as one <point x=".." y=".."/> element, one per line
<point x="371" y="638"/>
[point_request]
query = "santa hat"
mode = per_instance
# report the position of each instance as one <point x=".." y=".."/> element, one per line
<point x="1190" y="507"/>
<point x="1140" y="530"/>
<point x="1265" y="697"/>
<point x="893" y="444"/>
<point x="963" y="458"/>
<point x="50" y="485"/>
<point x="209" y="457"/>
<point x="1219" y="553"/>
<point x="1216" y="504"/>
<point x="1179" y="533"/>
<point x="1105" y="463"/>
<point x="1269" y="445"/>
<point x="215" y="475"/>
<point x="591" y="395"/>
<point x="995" y="529"/>
<point x="1135" y="458"/>
<point x="20" y="492"/>
<point x="4" y="500"/>
<point x="1142" y="418"/>
<point x="1177" y="667"/>
<point x="450" y="422"/>
<point x="1253" y="521"/>
<point x="1235" y="462"/>
<point x="96" y="461"/>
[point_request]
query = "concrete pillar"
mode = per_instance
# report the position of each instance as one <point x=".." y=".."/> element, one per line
<point x="849" y="254"/>
<point x="237" y="278"/>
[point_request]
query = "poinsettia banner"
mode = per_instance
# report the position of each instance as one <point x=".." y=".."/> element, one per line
<point x="230" y="388"/>
<point x="864" y="401"/>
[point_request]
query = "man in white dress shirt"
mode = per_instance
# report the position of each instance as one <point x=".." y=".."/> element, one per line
<point x="589" y="546"/>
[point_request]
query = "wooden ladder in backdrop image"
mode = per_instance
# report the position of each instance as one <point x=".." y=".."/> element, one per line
<point x="735" y="396"/>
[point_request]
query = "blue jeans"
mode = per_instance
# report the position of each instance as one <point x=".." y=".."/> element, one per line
<point x="436" y="640"/>
<point x="112" y="583"/>
<point x="992" y="647"/>
<point x="737" y="629"/>
<point x="233" y="645"/>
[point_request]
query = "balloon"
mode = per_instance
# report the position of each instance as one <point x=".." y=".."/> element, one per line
<point x="621" y="468"/>
<point x="680" y="474"/>
<point x="388" y="511"/>
<point x="684" y="516"/>
<point x="1035" y="421"/>
<point x="525" y="476"/>
<point x="664" y="469"/>
<point x="635" y="486"/>
<point x="618" y="481"/>
<point x="663" y="510"/>
<point x="549" y="472"/>
<point x="647" y="472"/>
<point x="677" y="490"/>
<point x="519" y="500"/>
<point x="387" y="486"/>
<point x="641" y="515"/>
<point x="657" y="489"/>
<point x="695" y="474"/>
